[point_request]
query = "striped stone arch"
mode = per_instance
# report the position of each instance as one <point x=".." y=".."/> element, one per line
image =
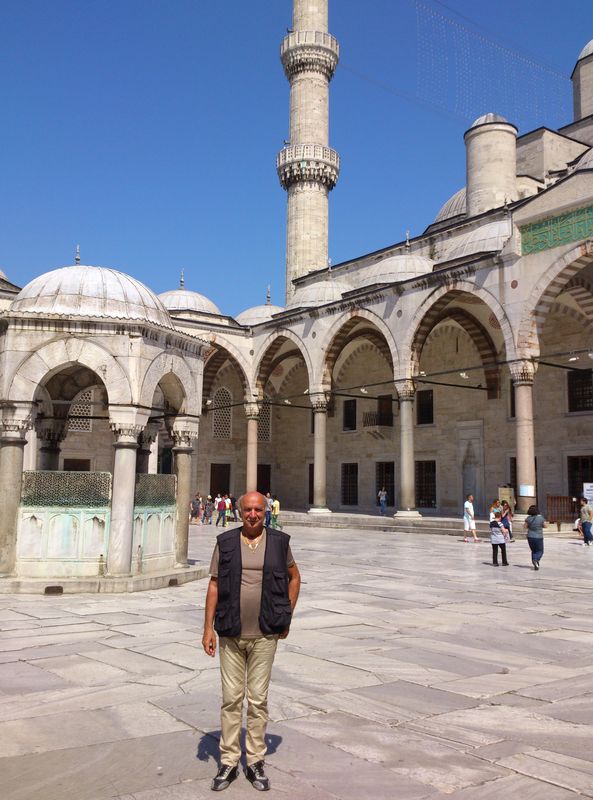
<point x="361" y="349"/>
<point x="214" y="362"/>
<point x="582" y="291"/>
<point x="269" y="357"/>
<point x="578" y="315"/>
<point x="343" y="332"/>
<point x="294" y="370"/>
<point x="440" y="311"/>
<point x="178" y="383"/>
<point x="561" y="276"/>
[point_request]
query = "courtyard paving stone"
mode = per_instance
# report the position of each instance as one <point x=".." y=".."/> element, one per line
<point x="413" y="670"/>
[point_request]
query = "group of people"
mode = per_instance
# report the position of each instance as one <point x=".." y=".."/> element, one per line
<point x="501" y="528"/>
<point x="226" y="509"/>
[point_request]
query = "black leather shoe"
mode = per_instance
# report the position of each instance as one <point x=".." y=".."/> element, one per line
<point x="257" y="777"/>
<point x="224" y="777"/>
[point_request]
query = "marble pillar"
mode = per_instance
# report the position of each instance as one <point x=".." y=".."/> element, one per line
<point x="119" y="557"/>
<point x="182" y="456"/>
<point x="319" y="403"/>
<point x="12" y="448"/>
<point x="523" y="373"/>
<point x="50" y="435"/>
<point x="252" y="414"/>
<point x="407" y="492"/>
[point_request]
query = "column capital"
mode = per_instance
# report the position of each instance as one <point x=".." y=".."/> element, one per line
<point x="251" y="410"/>
<point x="16" y="420"/>
<point x="126" y="433"/>
<point x="406" y="389"/>
<point x="148" y="435"/>
<point x="51" y="431"/>
<point x="522" y="372"/>
<point x="183" y="430"/>
<point x="319" y="401"/>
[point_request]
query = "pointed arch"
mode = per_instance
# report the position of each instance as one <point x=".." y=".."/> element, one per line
<point x="173" y="373"/>
<point x="269" y="355"/>
<point x="223" y="351"/>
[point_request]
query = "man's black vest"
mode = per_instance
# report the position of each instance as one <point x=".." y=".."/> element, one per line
<point x="275" y="611"/>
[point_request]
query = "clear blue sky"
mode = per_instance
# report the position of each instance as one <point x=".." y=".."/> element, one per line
<point x="147" y="130"/>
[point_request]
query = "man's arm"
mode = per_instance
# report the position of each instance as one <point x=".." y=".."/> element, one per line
<point x="294" y="586"/>
<point x="209" y="637"/>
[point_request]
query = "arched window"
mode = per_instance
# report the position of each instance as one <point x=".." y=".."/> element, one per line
<point x="222" y="414"/>
<point x="81" y="412"/>
<point x="264" y="425"/>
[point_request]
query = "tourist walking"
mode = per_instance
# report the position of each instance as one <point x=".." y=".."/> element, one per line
<point x="382" y="496"/>
<point x="208" y="511"/>
<point x="498" y="540"/>
<point x="269" y="504"/>
<point x="195" y="509"/>
<point x="469" y="519"/>
<point x="586" y="514"/>
<point x="534" y="525"/>
<point x="251" y="596"/>
<point x="275" y="512"/>
<point x="221" y="510"/>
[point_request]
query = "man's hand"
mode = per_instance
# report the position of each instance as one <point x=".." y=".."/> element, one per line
<point x="284" y="633"/>
<point x="209" y="641"/>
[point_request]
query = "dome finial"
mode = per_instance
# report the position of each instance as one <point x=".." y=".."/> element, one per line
<point x="182" y="279"/>
<point x="269" y="296"/>
<point x="77" y="255"/>
<point x="407" y="240"/>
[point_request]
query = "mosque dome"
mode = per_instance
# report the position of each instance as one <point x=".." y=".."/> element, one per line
<point x="585" y="161"/>
<point x="83" y="291"/>
<point x="257" y="314"/>
<point x="485" y="239"/>
<point x="183" y="300"/>
<point x="486" y="119"/>
<point x="395" y="268"/>
<point x="455" y="206"/>
<point x="586" y="51"/>
<point x="320" y="293"/>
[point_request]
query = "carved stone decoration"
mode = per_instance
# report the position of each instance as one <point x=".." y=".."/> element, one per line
<point x="313" y="163"/>
<point x="182" y="438"/>
<point x="251" y="410"/>
<point x="51" y="432"/>
<point x="522" y="372"/>
<point x="319" y="401"/>
<point x="406" y="390"/>
<point x="126" y="433"/>
<point x="309" y="51"/>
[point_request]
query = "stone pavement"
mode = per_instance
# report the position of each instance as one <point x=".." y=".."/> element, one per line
<point x="414" y="670"/>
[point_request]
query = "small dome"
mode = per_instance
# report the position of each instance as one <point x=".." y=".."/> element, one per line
<point x="320" y="293"/>
<point x="257" y="314"/>
<point x="455" y="206"/>
<point x="486" y="119"/>
<point x="395" y="268"/>
<point x="586" y="51"/>
<point x="183" y="300"/>
<point x="82" y="291"/>
<point x="485" y="239"/>
<point x="585" y="161"/>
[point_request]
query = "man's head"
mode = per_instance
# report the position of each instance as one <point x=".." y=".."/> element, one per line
<point x="253" y="510"/>
<point x="583" y="501"/>
<point x="470" y="498"/>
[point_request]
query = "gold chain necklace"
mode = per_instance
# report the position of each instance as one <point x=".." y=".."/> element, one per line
<point x="252" y="544"/>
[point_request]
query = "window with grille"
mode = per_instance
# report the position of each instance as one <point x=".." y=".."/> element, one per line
<point x="580" y="471"/>
<point x="349" y="484"/>
<point x="385" y="477"/>
<point x="580" y="390"/>
<point x="349" y="418"/>
<point x="222" y="414"/>
<point x="426" y="484"/>
<point x="424" y="407"/>
<point x="80" y="413"/>
<point x="264" y="425"/>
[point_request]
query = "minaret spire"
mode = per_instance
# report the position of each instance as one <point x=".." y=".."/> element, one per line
<point x="307" y="167"/>
<point x="182" y="279"/>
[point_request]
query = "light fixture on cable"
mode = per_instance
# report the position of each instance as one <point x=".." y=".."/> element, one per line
<point x="364" y="390"/>
<point x="464" y="375"/>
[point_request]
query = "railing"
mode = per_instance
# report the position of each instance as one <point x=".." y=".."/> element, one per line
<point x="317" y="38"/>
<point x="560" y="508"/>
<point x="307" y="152"/>
<point x="375" y="419"/>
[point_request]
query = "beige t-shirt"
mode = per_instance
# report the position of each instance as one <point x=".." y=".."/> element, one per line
<point x="251" y="584"/>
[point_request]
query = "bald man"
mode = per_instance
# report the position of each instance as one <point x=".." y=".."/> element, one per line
<point x="253" y="589"/>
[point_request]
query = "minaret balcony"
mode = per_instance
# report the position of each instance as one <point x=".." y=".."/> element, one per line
<point x="308" y="162"/>
<point x="309" y="51"/>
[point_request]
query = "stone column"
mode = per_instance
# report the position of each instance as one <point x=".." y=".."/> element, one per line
<point x="51" y="434"/>
<point x="182" y="455"/>
<point x="407" y="492"/>
<point x="319" y="403"/>
<point x="12" y="448"/>
<point x="145" y="444"/>
<point x="252" y="414"/>
<point x="523" y="373"/>
<point x="119" y="557"/>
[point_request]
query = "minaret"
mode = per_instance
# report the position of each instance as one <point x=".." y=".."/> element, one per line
<point x="307" y="167"/>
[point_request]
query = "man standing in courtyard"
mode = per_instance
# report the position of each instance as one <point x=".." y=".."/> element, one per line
<point x="252" y="593"/>
<point x="586" y="514"/>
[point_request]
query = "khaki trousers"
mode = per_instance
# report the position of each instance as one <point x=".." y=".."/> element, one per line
<point x="245" y="663"/>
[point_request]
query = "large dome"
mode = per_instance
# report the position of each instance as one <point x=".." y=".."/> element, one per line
<point x="82" y="291"/>
<point x="184" y="300"/>
<point x="487" y="119"/>
<point x="395" y="268"/>
<point x="488" y="238"/>
<point x="585" y="161"/>
<point x="586" y="51"/>
<point x="257" y="314"/>
<point x="320" y="293"/>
